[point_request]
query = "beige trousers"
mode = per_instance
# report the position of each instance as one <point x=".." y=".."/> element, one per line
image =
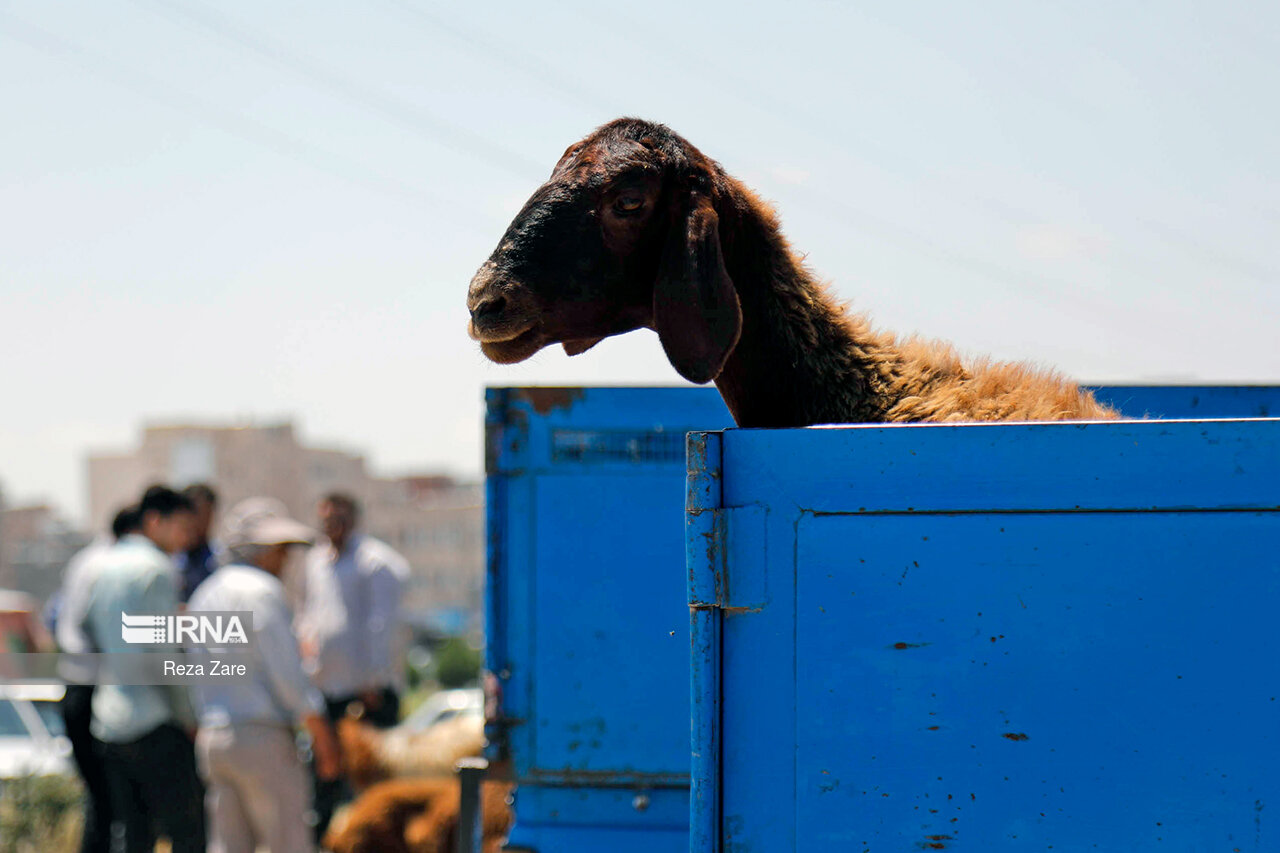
<point x="257" y="790"/>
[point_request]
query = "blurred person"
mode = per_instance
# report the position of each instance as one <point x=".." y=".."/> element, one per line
<point x="349" y="625"/>
<point x="145" y="729"/>
<point x="258" y="789"/>
<point x="86" y="750"/>
<point x="205" y="554"/>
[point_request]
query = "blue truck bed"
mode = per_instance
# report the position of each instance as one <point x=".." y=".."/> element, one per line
<point x="988" y="637"/>
<point x="587" y="617"/>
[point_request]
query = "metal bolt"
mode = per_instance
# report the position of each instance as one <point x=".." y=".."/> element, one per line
<point x="641" y="802"/>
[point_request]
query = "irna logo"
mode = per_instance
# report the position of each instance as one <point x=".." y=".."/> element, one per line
<point x="186" y="629"/>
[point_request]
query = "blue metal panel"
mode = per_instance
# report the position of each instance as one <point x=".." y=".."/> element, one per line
<point x="588" y="625"/>
<point x="553" y="818"/>
<point x="705" y="530"/>
<point x="993" y="637"/>
<point x="1192" y="401"/>
<point x="581" y="479"/>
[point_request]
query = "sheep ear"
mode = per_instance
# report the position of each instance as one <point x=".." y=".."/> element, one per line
<point x="695" y="306"/>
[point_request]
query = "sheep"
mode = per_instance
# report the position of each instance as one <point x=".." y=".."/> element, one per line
<point x="373" y="755"/>
<point x="407" y="797"/>
<point x="637" y="228"/>
<point x="417" y="816"/>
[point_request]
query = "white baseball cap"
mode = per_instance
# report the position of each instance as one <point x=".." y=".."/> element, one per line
<point x="263" y="521"/>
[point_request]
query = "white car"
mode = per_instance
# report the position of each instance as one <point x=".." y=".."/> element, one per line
<point x="32" y="742"/>
<point x="444" y="705"/>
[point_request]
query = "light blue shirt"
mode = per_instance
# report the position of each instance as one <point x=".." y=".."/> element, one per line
<point x="351" y="615"/>
<point x="133" y="577"/>
<point x="280" y="693"/>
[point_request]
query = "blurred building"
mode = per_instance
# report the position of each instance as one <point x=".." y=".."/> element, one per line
<point x="240" y="462"/>
<point x="35" y="544"/>
<point x="438" y="525"/>
<point x="434" y="521"/>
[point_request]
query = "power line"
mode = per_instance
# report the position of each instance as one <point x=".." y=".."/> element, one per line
<point x="815" y="124"/>
<point x="521" y="60"/>
<point x="863" y="220"/>
<point x="407" y="115"/>
<point x="1048" y="289"/>
<point x="228" y="121"/>
<point x="468" y="142"/>
<point x="819" y="126"/>
<point x="1194" y="245"/>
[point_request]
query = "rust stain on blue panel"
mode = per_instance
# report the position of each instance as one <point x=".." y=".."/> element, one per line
<point x="545" y="400"/>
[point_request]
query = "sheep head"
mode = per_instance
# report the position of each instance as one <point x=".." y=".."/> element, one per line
<point x="625" y="234"/>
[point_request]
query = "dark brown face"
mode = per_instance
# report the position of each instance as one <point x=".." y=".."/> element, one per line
<point x="621" y="236"/>
<point x="578" y="262"/>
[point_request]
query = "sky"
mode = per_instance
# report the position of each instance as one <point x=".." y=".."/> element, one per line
<point x="247" y="211"/>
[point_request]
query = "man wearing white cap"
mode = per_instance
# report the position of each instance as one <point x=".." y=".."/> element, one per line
<point x="257" y="787"/>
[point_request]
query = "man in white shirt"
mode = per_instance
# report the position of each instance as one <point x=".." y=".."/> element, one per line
<point x="349" y="626"/>
<point x="258" y="789"/>
<point x="77" y="713"/>
<point x="145" y="729"/>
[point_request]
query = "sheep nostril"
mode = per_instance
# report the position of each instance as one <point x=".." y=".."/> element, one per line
<point x="489" y="308"/>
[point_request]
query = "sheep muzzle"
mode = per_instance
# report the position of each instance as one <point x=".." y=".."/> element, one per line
<point x="504" y="318"/>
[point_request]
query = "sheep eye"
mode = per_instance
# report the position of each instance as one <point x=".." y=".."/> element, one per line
<point x="629" y="203"/>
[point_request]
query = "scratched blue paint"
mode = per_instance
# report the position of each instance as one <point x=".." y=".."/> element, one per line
<point x="993" y="637"/>
<point x="586" y="583"/>
<point x="588" y="627"/>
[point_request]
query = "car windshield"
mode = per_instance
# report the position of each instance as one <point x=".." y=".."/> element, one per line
<point x="11" y="724"/>
<point x="50" y="715"/>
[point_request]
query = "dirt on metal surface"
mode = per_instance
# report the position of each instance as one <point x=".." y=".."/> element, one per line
<point x="626" y="778"/>
<point x="547" y="400"/>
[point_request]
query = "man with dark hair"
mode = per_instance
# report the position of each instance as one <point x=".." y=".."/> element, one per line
<point x="344" y="503"/>
<point x="145" y="729"/>
<point x="204" y="556"/>
<point x="349" y="626"/>
<point x="77" y="581"/>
